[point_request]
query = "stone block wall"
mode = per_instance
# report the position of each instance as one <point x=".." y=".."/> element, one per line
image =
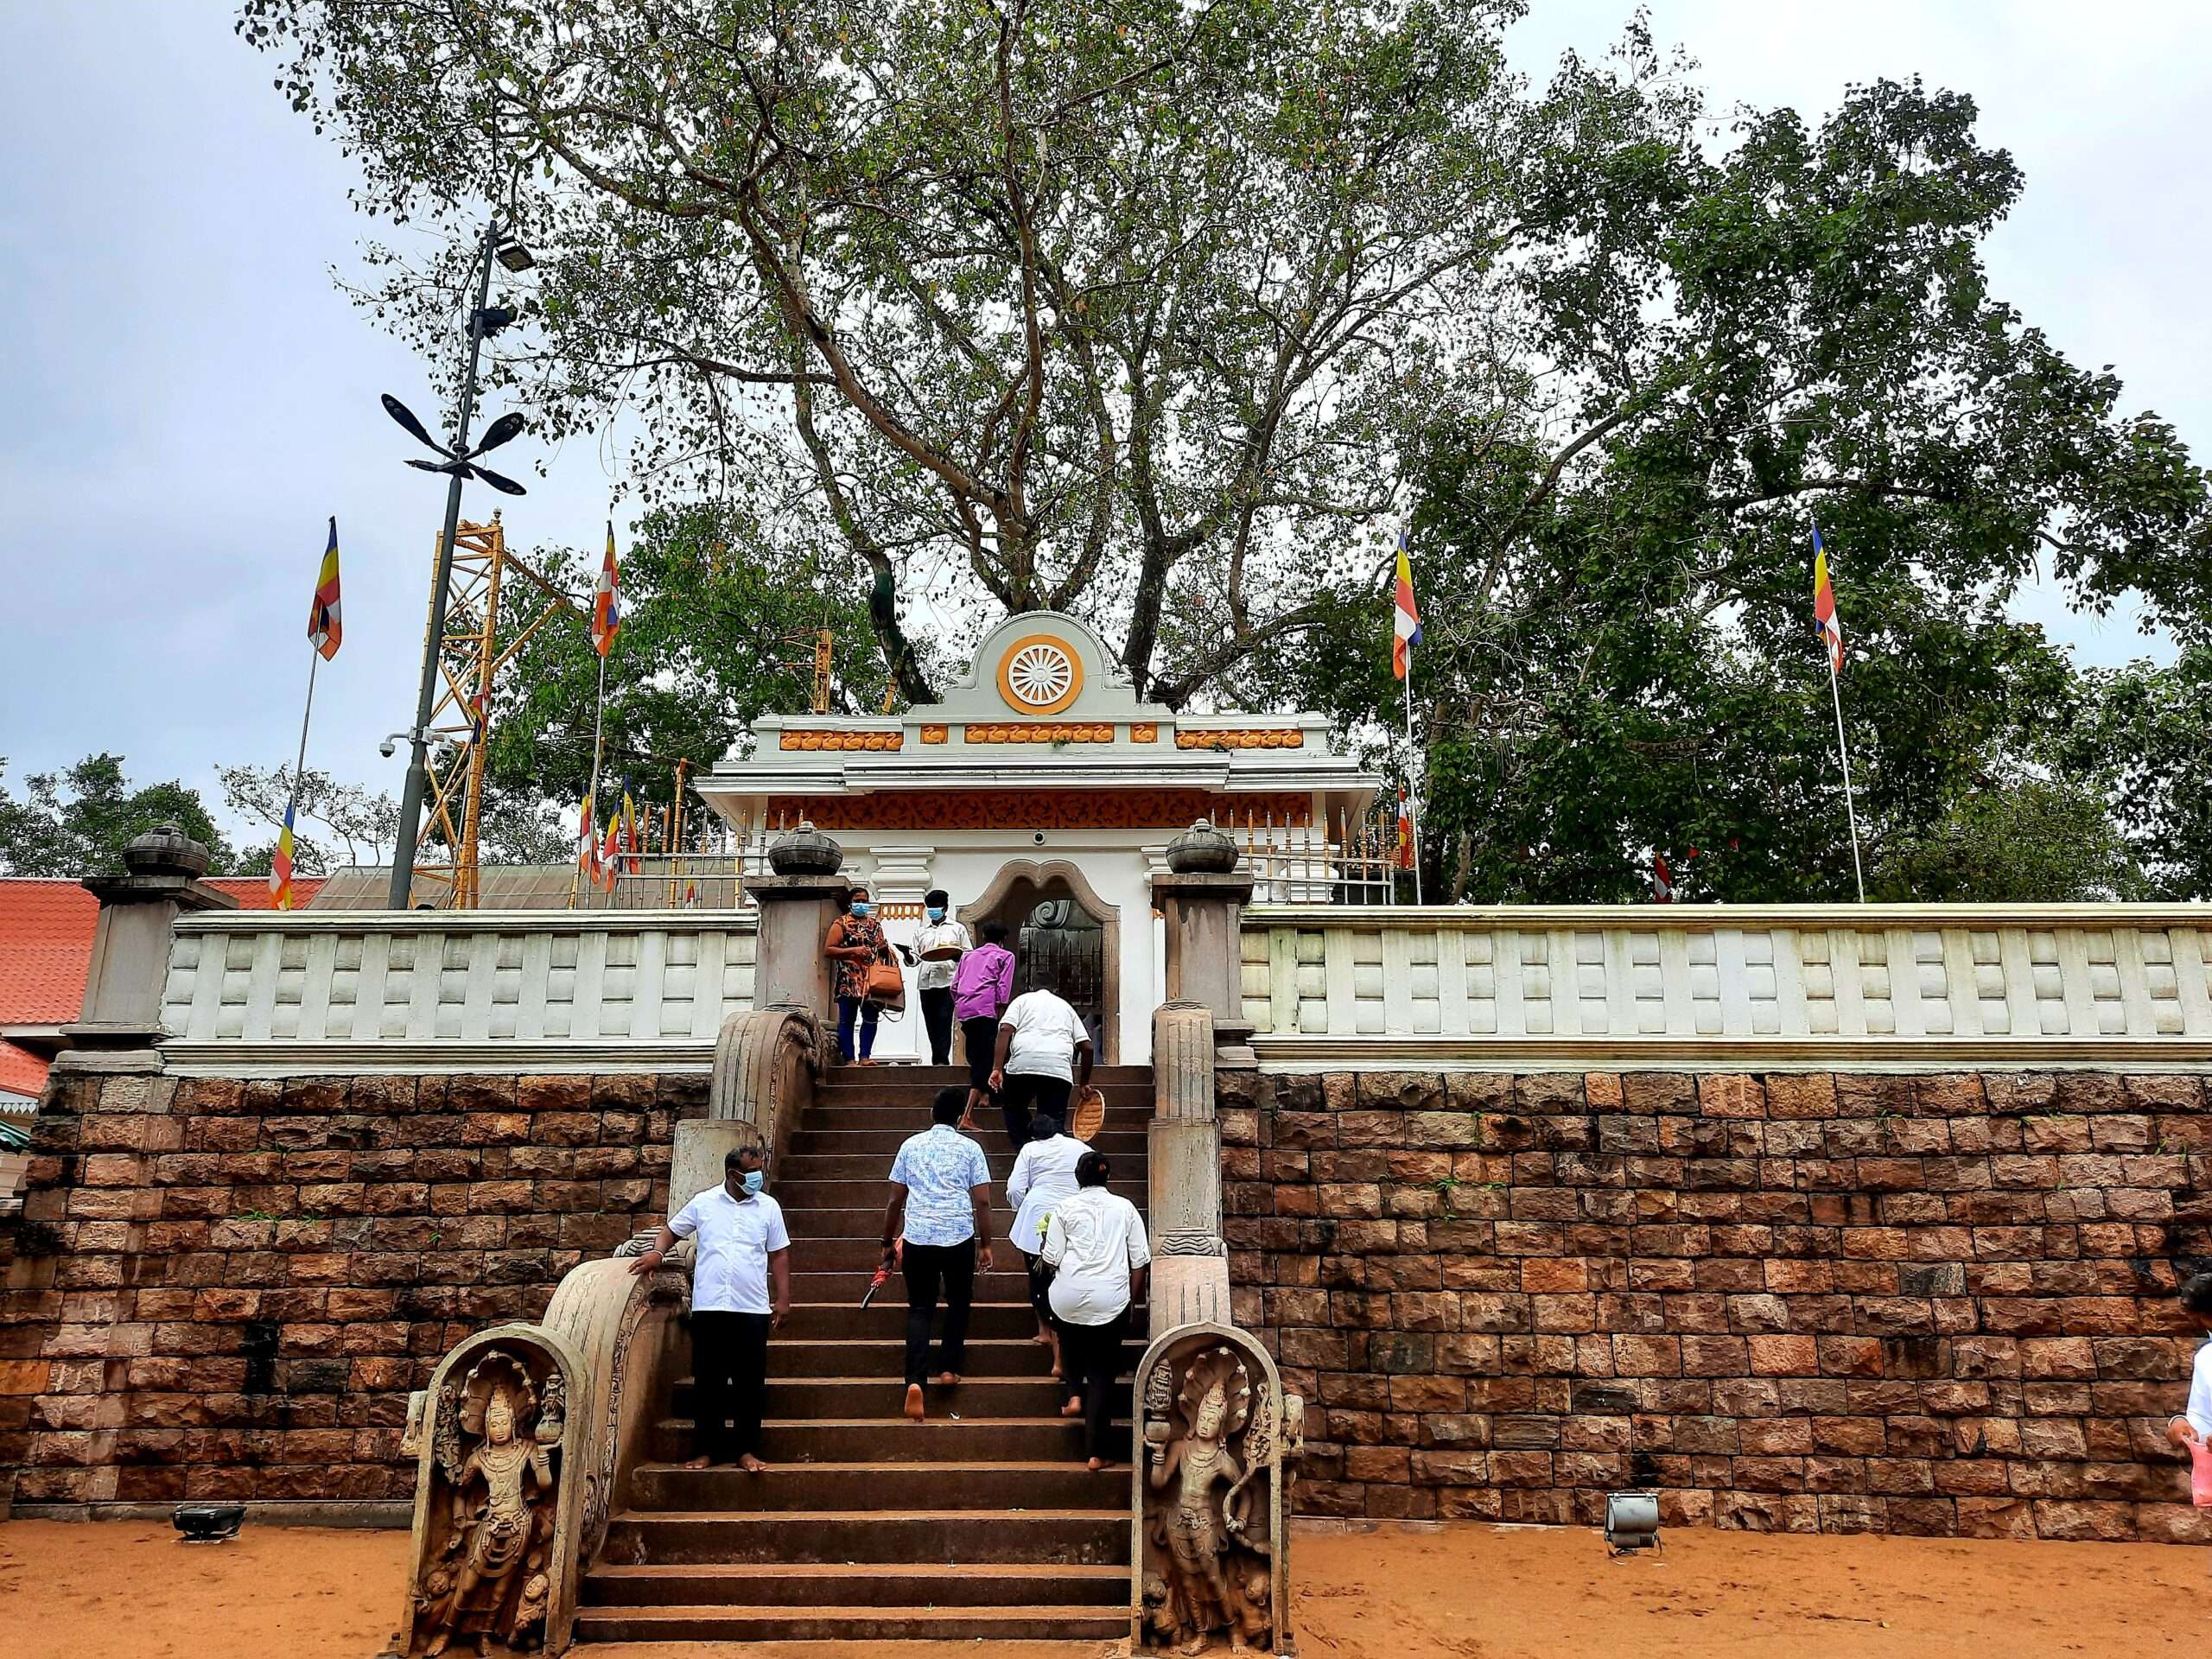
<point x="226" y="1288"/>
<point x="1935" y="1304"/>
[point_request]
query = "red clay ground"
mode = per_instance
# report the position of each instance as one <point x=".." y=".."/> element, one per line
<point x="126" y="1590"/>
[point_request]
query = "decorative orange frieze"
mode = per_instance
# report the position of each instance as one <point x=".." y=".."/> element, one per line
<point x="841" y="741"/>
<point x="1037" y="808"/>
<point x="936" y="733"/>
<point x="1029" y="732"/>
<point x="1268" y="738"/>
<point x="1144" y="732"/>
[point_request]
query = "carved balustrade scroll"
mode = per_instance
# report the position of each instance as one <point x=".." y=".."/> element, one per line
<point x="1217" y="1444"/>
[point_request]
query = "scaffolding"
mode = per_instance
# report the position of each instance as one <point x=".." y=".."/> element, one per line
<point x="470" y="657"/>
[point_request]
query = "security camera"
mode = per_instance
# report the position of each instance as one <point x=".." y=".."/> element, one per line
<point x="1038" y="836"/>
<point x="387" y="748"/>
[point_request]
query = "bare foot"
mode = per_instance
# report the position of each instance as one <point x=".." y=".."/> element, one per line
<point x="1073" y="1408"/>
<point x="915" y="1408"/>
<point x="863" y="1062"/>
<point x="1096" y="1465"/>
<point x="1043" y="1339"/>
<point x="948" y="1379"/>
<point x="751" y="1466"/>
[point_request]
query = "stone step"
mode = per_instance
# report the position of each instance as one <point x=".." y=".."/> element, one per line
<point x="834" y="1356"/>
<point x="847" y="1624"/>
<point x="941" y="1439"/>
<point x="1090" y="1536"/>
<point x="874" y="1168"/>
<point x="925" y="1080"/>
<point x="846" y="1285"/>
<point x="804" y="1195"/>
<point x="975" y="1583"/>
<point x="865" y="1251"/>
<point x="1116" y="1139"/>
<point x="879" y="1397"/>
<point x="1059" y="1484"/>
<point x="885" y="1320"/>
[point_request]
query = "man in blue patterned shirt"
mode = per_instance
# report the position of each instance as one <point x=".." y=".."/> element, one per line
<point x="939" y="1213"/>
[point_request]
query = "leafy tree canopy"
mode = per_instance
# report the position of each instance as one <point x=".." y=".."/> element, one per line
<point x="335" y="824"/>
<point x="76" y="822"/>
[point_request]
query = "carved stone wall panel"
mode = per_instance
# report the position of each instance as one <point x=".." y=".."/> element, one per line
<point x="1216" y="1443"/>
<point x="499" y="1496"/>
<point x="1055" y="809"/>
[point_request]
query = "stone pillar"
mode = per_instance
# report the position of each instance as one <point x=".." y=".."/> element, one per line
<point x="130" y="944"/>
<point x="797" y="904"/>
<point x="1203" y="898"/>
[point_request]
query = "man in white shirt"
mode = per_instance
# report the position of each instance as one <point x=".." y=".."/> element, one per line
<point x="1095" y="1242"/>
<point x="2194" y="1426"/>
<point x="1044" y="1056"/>
<point x="940" y="1210"/>
<point x="934" y="971"/>
<point x="1043" y="1175"/>
<point x="742" y="1246"/>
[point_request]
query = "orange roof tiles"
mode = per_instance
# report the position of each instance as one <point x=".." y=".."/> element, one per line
<point x="46" y="946"/>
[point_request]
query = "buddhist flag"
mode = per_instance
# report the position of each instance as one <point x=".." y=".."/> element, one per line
<point x="280" y="866"/>
<point x="1663" y="880"/>
<point x="1405" y="624"/>
<point x="605" y="600"/>
<point x="586" y="842"/>
<point x="630" y="844"/>
<point x="324" y="628"/>
<point x="1824" y="605"/>
<point x="1405" y="833"/>
<point x="610" y="852"/>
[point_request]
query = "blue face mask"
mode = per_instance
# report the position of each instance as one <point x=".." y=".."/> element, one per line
<point x="754" y="1179"/>
<point x="860" y="909"/>
<point x="936" y="913"/>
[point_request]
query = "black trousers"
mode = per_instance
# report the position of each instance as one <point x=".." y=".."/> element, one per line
<point x="937" y="1020"/>
<point x="1091" y="1357"/>
<point x="729" y="1382"/>
<point x="979" y="1039"/>
<point x="1026" y="1094"/>
<point x="932" y="1270"/>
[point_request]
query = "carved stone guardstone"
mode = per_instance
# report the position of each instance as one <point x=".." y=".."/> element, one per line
<point x="1218" y="1443"/>
<point x="497" y="1496"/>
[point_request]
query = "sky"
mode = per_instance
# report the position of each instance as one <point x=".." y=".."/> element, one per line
<point x="185" y="396"/>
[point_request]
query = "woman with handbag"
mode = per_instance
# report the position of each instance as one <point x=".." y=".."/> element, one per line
<point x="868" y="976"/>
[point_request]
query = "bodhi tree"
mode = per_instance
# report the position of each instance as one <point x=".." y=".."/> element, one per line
<point x="1127" y="308"/>
<point x="1615" y="561"/>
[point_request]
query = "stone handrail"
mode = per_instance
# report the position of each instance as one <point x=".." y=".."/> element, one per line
<point x="341" y="991"/>
<point x="1190" y="1259"/>
<point x="1878" y="987"/>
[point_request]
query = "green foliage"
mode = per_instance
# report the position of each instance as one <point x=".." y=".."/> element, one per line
<point x="1619" y="654"/>
<point x="2147" y="736"/>
<point x="335" y="824"/>
<point x="718" y="628"/>
<point x="77" y="822"/>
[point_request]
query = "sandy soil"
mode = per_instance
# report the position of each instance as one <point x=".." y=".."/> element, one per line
<point x="126" y="1590"/>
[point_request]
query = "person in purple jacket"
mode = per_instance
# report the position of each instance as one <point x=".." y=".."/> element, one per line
<point x="980" y="991"/>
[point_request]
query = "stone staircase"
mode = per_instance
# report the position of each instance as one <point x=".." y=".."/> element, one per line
<point x="980" y="1524"/>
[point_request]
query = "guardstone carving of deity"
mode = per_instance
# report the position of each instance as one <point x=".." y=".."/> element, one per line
<point x="1215" y="1430"/>
<point x="496" y="1436"/>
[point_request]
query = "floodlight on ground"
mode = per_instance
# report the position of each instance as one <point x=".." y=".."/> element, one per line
<point x="208" y="1523"/>
<point x="1632" y="1521"/>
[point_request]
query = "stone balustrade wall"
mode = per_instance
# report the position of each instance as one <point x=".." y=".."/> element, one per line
<point x="1941" y="1304"/>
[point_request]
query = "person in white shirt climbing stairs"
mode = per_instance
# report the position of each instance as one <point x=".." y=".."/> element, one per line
<point x="1043" y="1175"/>
<point x="742" y="1246"/>
<point x="1095" y="1246"/>
<point x="1044" y="1057"/>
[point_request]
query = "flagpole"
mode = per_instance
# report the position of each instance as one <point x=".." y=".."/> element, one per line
<point x="1412" y="812"/>
<point x="1843" y="749"/>
<point x="299" y="766"/>
<point x="598" y="729"/>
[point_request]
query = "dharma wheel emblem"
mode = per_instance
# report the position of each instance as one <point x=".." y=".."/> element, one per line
<point x="1039" y="675"/>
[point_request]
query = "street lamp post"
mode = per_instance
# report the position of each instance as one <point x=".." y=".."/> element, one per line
<point x="480" y="323"/>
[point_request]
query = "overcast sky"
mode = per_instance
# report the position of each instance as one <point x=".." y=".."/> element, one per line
<point x="184" y="397"/>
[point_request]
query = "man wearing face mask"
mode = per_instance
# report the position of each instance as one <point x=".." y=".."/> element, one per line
<point x="940" y="945"/>
<point x="742" y="1246"/>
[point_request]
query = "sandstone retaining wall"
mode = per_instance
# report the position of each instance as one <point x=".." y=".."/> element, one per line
<point x="1938" y="1305"/>
<point x="226" y="1288"/>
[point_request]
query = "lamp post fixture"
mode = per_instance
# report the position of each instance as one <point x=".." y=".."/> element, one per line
<point x="483" y="321"/>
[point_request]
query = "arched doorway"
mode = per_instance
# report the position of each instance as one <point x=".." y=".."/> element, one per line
<point x="1065" y="939"/>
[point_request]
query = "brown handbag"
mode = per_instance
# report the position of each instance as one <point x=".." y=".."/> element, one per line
<point x="886" y="986"/>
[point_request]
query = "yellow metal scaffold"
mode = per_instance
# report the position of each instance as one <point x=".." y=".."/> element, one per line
<point x="470" y="657"/>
